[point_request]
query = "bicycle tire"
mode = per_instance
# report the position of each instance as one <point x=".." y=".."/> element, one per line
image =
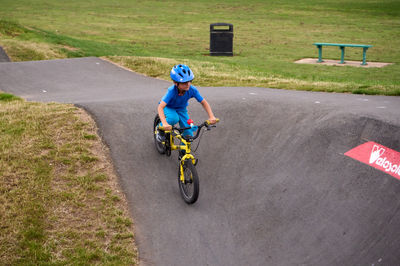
<point x="159" y="146"/>
<point x="190" y="188"/>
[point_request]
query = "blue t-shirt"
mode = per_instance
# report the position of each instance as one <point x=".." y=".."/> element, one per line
<point x="173" y="100"/>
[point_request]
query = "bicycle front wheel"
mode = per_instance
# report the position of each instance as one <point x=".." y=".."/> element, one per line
<point x="190" y="187"/>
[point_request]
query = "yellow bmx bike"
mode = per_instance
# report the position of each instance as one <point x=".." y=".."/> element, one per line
<point x="188" y="178"/>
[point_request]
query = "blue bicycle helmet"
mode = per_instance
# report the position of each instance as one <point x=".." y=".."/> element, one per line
<point x="181" y="73"/>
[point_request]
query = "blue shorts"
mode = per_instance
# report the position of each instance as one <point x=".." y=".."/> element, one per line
<point x="174" y="116"/>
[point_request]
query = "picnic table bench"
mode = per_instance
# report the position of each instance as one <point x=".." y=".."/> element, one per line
<point x="342" y="46"/>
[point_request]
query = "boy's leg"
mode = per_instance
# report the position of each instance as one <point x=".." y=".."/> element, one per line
<point x="183" y="118"/>
<point x="171" y="115"/>
<point x="172" y="118"/>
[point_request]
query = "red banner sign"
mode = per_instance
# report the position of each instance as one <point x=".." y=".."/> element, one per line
<point x="378" y="156"/>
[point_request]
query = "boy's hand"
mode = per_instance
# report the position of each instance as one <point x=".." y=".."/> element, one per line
<point x="167" y="127"/>
<point x="212" y="120"/>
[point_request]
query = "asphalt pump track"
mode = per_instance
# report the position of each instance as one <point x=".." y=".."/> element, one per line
<point x="275" y="185"/>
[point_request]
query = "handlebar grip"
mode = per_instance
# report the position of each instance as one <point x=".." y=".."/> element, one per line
<point x="209" y="123"/>
<point x="163" y="129"/>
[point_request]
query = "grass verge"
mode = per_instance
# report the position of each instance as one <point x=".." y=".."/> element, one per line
<point x="220" y="74"/>
<point x="59" y="198"/>
<point x="269" y="36"/>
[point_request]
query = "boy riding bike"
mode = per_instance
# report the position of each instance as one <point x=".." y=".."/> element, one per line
<point x="172" y="109"/>
<point x="173" y="106"/>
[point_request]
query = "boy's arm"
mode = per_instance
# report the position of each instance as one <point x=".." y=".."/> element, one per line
<point x="207" y="107"/>
<point x="161" y="114"/>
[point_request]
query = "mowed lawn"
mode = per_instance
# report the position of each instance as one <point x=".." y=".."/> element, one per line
<point x="268" y="37"/>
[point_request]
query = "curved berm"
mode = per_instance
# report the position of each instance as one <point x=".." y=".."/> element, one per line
<point x="276" y="187"/>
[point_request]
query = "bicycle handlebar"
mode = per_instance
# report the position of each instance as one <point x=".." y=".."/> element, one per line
<point x="207" y="124"/>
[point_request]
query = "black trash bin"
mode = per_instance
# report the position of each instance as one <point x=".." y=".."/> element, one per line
<point x="221" y="39"/>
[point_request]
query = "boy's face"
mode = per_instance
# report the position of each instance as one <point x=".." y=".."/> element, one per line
<point x="184" y="86"/>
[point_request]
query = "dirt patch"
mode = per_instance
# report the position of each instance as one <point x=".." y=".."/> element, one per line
<point x="337" y="63"/>
<point x="70" y="48"/>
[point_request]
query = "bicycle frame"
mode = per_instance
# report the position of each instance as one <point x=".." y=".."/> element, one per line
<point x="187" y="147"/>
<point x="188" y="179"/>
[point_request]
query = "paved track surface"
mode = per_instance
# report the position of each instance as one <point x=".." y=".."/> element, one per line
<point x="3" y="55"/>
<point x="275" y="187"/>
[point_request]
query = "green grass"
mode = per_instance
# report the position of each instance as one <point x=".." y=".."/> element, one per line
<point x="59" y="199"/>
<point x="269" y="37"/>
<point x="6" y="97"/>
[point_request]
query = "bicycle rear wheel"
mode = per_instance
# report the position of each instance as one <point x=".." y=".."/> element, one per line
<point x="159" y="146"/>
<point x="190" y="187"/>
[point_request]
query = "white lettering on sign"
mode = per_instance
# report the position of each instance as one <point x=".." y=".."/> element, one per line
<point x="377" y="156"/>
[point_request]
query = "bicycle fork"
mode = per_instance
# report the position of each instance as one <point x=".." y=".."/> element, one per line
<point x="185" y="146"/>
<point x="187" y="156"/>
